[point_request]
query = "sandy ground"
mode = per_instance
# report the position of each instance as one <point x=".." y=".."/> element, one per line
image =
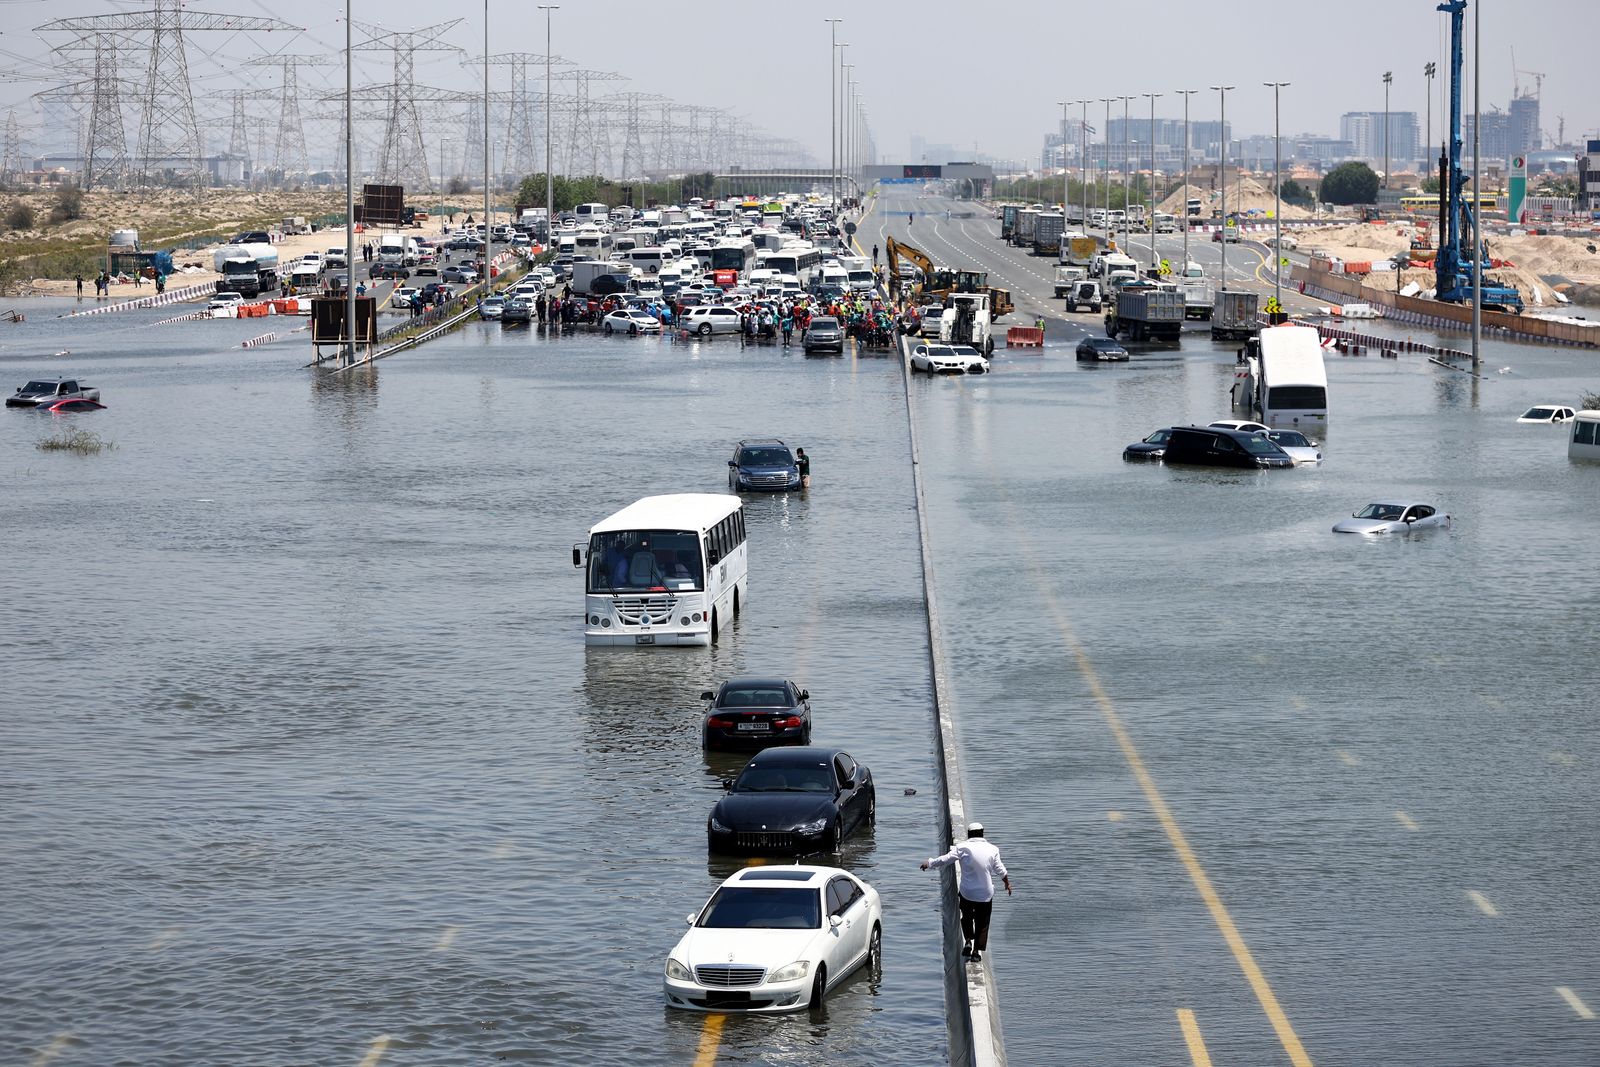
<point x="1246" y="194"/>
<point x="169" y="211"/>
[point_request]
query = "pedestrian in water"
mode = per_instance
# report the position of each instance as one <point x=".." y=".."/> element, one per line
<point x="1039" y="323"/>
<point x="788" y="326"/>
<point x="802" y="462"/>
<point x="979" y="863"/>
<point x="80" y="287"/>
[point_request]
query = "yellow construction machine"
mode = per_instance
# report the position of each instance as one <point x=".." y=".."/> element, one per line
<point x="939" y="282"/>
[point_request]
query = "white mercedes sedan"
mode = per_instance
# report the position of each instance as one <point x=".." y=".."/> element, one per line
<point x="1393" y="517"/>
<point x="775" y="939"/>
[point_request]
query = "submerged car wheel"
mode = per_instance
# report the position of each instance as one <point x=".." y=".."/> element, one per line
<point x="609" y="330"/>
<point x="705" y="329"/>
<point x="835" y="839"/>
<point x="872" y="809"/>
<point x="819" y="986"/>
<point x="875" y="949"/>
<point x="715" y="630"/>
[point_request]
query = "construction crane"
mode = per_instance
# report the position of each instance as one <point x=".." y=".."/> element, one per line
<point x="939" y="282"/>
<point x="1452" y="269"/>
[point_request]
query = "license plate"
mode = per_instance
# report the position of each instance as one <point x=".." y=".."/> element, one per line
<point x="644" y="639"/>
<point x="753" y="726"/>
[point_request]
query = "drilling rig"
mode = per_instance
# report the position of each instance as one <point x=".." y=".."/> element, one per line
<point x="1452" y="268"/>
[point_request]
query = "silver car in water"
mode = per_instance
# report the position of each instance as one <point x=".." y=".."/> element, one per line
<point x="1391" y="516"/>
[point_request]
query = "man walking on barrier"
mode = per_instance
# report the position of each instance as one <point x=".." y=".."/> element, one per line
<point x="980" y="863"/>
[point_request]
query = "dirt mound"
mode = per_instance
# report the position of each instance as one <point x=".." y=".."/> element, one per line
<point x="1245" y="195"/>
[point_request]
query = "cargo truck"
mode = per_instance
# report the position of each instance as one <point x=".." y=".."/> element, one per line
<point x="1066" y="276"/>
<point x="295" y="224"/>
<point x="1233" y="316"/>
<point x="1047" y="231"/>
<point x="1146" y="313"/>
<point x="599" y="278"/>
<point x="967" y="322"/>
<point x="1078" y="250"/>
<point x="249" y="270"/>
<point x="1008" y="220"/>
<point x="1027" y="220"/>
<point x="1198" y="297"/>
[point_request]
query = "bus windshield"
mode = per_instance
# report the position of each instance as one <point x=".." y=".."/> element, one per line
<point x="645" y="561"/>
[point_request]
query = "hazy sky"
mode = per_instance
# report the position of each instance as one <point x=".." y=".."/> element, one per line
<point x="949" y="72"/>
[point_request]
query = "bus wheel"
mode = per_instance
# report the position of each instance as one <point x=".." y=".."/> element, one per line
<point x="736" y="602"/>
<point x="714" y="628"/>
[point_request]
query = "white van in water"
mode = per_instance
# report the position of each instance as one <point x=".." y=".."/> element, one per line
<point x="1584" y="441"/>
<point x="1283" y="379"/>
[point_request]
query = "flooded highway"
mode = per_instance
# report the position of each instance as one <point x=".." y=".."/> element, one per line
<point x="305" y="760"/>
<point x="1300" y="797"/>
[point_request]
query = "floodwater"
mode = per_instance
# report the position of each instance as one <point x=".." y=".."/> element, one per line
<point x="1379" y="755"/>
<point x="304" y="759"/>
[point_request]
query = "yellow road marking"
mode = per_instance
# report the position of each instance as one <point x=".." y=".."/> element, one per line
<point x="1180" y="844"/>
<point x="56" y="1047"/>
<point x="375" y="1053"/>
<point x="447" y="938"/>
<point x="1114" y="816"/>
<point x="710" y="1041"/>
<point x="163" y="939"/>
<point x="1483" y="903"/>
<point x="1574" y="1003"/>
<point x="1405" y="820"/>
<point x="1192" y="1038"/>
<point x="1348" y="759"/>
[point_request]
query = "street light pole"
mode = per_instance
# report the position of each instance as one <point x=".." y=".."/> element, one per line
<point x="1388" y="77"/>
<point x="1127" y="150"/>
<point x="1065" y="192"/>
<point x="488" y="228"/>
<point x="1105" y="166"/>
<point x="837" y="179"/>
<point x="1277" y="199"/>
<point x="1222" y="170"/>
<point x="549" y="177"/>
<point x="833" y="115"/>
<point x="1083" y="158"/>
<point x="1428" y="73"/>
<point x="349" y="198"/>
<point x="1186" y="94"/>
<point x="1477" y="204"/>
<point x="1155" y="263"/>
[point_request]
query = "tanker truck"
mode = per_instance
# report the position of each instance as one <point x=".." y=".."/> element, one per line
<point x="249" y="269"/>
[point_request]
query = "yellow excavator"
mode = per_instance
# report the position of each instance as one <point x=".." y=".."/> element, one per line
<point x="939" y="282"/>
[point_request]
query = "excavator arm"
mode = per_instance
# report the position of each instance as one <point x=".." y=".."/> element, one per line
<point x="915" y="256"/>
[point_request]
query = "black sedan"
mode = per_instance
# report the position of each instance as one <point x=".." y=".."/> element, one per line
<point x="1102" y="350"/>
<point x="387" y="270"/>
<point x="1152" y="447"/>
<point x="793" y="800"/>
<point x="756" y="711"/>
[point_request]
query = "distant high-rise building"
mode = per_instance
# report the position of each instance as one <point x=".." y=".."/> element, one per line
<point x="1495" y="142"/>
<point x="1364" y="130"/>
<point x="1168" y="131"/>
<point x="1525" y="125"/>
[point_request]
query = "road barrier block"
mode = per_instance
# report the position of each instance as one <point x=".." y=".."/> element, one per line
<point x="1024" y="337"/>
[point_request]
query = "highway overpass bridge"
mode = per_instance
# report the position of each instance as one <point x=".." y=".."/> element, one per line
<point x="968" y="179"/>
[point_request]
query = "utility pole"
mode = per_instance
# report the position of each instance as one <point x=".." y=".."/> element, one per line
<point x="1222" y="170"/>
<point x="1477" y="205"/>
<point x="840" y="127"/>
<point x="488" y="223"/>
<point x="1083" y="157"/>
<point x="1277" y="200"/>
<point x="349" y="192"/>
<point x="1186" y="94"/>
<point x="1155" y="261"/>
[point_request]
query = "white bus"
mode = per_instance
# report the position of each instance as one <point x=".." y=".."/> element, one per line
<point x="665" y="570"/>
<point x="1284" y="380"/>
<point x="591" y="242"/>
<point x="734" y="254"/>
<point x="591" y="213"/>
<point x="802" y="261"/>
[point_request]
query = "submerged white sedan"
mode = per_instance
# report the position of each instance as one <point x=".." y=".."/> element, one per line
<point x="1393" y="517"/>
<point x="775" y="939"/>
<point x="630" y="321"/>
<point x="948" y="359"/>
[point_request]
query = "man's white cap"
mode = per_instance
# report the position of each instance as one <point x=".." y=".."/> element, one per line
<point x="974" y="827"/>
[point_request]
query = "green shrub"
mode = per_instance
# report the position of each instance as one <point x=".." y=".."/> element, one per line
<point x="19" y="217"/>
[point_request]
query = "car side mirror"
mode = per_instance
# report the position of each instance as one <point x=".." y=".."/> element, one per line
<point x="733" y="463"/>
<point x="727" y="784"/>
<point x="714" y="556"/>
<point x="833" y="922"/>
<point x="708" y="695"/>
<point x="689" y="918"/>
<point x="805" y="694"/>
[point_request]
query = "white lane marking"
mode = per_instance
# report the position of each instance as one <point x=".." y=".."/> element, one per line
<point x="163" y="939"/>
<point x="1114" y="816"/>
<point x="1583" y="1011"/>
<point x="375" y="1052"/>
<point x="1300" y="703"/>
<point x="1483" y="903"/>
<point x="1405" y="820"/>
<point x="1347" y="758"/>
<point x="1566" y="759"/>
<point x="501" y="851"/>
<point x="56" y="1047"/>
<point x="446" y="938"/>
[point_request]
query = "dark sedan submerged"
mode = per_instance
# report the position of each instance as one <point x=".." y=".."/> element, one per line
<point x="1101" y="350"/>
<point x="1151" y="447"/>
<point x="793" y="800"/>
<point x="756" y="711"/>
